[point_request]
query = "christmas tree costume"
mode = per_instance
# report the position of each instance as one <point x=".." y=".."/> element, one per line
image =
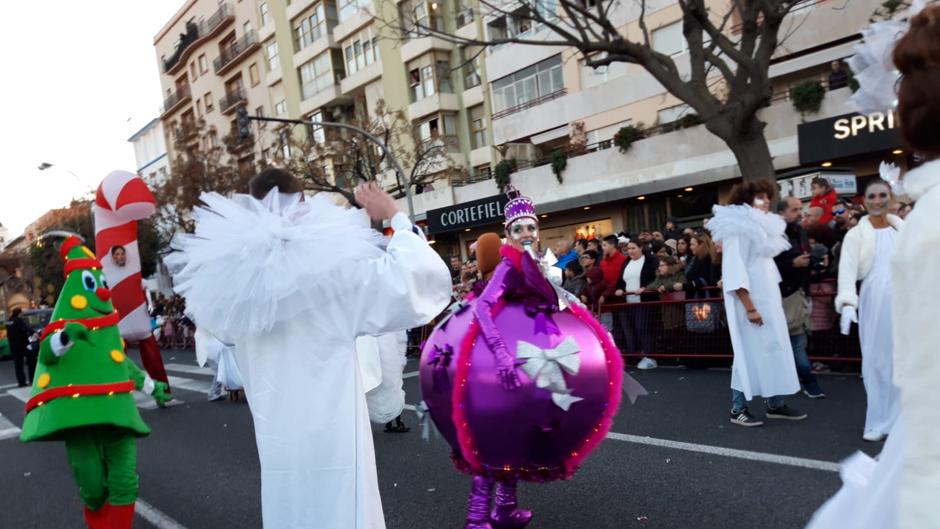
<point x="83" y="393"/>
<point x="521" y="380"/>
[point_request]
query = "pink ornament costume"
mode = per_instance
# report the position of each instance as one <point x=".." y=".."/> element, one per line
<point x="521" y="380"/>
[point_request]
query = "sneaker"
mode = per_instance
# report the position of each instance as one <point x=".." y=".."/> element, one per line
<point x="785" y="412"/>
<point x="647" y="363"/>
<point x="815" y="393"/>
<point x="744" y="418"/>
<point x="873" y="437"/>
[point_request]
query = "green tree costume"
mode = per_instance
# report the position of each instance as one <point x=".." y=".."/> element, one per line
<point x="83" y="393"/>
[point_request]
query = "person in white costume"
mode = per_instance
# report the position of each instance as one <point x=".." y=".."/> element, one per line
<point x="866" y="255"/>
<point x="763" y="357"/>
<point x="382" y="361"/>
<point x="221" y="358"/>
<point x="901" y="489"/>
<point x="292" y="282"/>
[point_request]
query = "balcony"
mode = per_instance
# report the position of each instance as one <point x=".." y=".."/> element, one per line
<point x="186" y="133"/>
<point x="196" y="34"/>
<point x="231" y="100"/>
<point x="435" y="103"/>
<point x="531" y="103"/>
<point x="235" y="52"/>
<point x="321" y="96"/>
<point x="176" y="100"/>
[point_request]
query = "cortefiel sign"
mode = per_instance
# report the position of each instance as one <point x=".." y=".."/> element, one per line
<point x="467" y="215"/>
<point x="847" y="135"/>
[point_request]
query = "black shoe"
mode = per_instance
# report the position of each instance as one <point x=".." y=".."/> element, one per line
<point x="814" y="393"/>
<point x="744" y="418"/>
<point x="396" y="426"/>
<point x="785" y="412"/>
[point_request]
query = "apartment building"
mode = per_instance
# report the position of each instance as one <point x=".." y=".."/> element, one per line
<point x="150" y="152"/>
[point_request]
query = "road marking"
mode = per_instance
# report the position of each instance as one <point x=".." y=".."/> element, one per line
<point x="200" y="386"/>
<point x="191" y="369"/>
<point x="8" y="429"/>
<point x="410" y="375"/>
<point x="8" y="386"/>
<point x="749" y="455"/>
<point x="156" y="517"/>
<point x="21" y="394"/>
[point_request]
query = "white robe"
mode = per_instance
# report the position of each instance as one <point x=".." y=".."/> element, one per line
<point x="382" y="361"/>
<point x="763" y="357"/>
<point x="877" y="338"/>
<point x="292" y="285"/>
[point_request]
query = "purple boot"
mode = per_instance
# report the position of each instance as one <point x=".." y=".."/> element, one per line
<point x="478" y="504"/>
<point x="506" y="514"/>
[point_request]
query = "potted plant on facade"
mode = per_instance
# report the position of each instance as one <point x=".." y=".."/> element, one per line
<point x="625" y="137"/>
<point x="807" y="96"/>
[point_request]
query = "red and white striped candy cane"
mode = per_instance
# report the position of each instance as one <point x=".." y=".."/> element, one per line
<point x="123" y="199"/>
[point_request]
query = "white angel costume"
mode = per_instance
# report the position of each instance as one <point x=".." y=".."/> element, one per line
<point x="382" y="360"/>
<point x="763" y="357"/>
<point x="292" y="283"/>
<point x="220" y="357"/>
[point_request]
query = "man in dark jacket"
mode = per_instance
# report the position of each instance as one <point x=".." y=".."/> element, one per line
<point x="794" y="266"/>
<point x="18" y="332"/>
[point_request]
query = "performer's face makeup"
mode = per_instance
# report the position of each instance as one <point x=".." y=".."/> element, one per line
<point x="119" y="256"/>
<point x="762" y="202"/>
<point x="523" y="231"/>
<point x="877" y="199"/>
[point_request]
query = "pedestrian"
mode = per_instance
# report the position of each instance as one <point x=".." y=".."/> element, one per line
<point x="588" y="260"/>
<point x="668" y="273"/>
<point x="702" y="270"/>
<point x="24" y="360"/>
<point x="750" y="238"/>
<point x="683" y="249"/>
<point x="293" y="304"/>
<point x="825" y="197"/>
<point x="565" y="253"/>
<point x="794" y="267"/>
<point x="838" y="77"/>
<point x="574" y="279"/>
<point x="637" y="272"/>
<point x="866" y="257"/>
<point x="595" y="286"/>
<point x="455" y="268"/>
<point x="612" y="261"/>
<point x="672" y="230"/>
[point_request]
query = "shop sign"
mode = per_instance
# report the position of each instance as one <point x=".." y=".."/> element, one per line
<point x="801" y="186"/>
<point x="847" y="135"/>
<point x="483" y="212"/>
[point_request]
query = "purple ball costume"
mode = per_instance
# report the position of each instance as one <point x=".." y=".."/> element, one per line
<point x="569" y="384"/>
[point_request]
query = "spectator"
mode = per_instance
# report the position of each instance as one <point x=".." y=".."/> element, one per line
<point x="622" y="241"/>
<point x="581" y="245"/>
<point x="702" y="270"/>
<point x="574" y="279"/>
<point x="658" y="236"/>
<point x="565" y="253"/>
<point x="683" y="249"/>
<point x="688" y="232"/>
<point x="645" y="237"/>
<point x="18" y="332"/>
<point x="812" y="217"/>
<point x="595" y="288"/>
<point x="824" y="196"/>
<point x="794" y="266"/>
<point x="639" y="270"/>
<point x="613" y="261"/>
<point x="668" y="273"/>
<point x="663" y="251"/>
<point x="672" y="230"/>
<point x="838" y="76"/>
<point x="673" y="246"/>
<point x="455" y="268"/>
<point x="595" y="246"/>
<point x="588" y="260"/>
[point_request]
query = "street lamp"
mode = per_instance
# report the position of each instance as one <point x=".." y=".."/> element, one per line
<point x="46" y="165"/>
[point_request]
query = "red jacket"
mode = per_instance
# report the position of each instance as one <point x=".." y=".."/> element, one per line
<point x="613" y="267"/>
<point x="825" y="202"/>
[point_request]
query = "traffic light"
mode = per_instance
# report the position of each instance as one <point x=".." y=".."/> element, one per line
<point x="244" y="123"/>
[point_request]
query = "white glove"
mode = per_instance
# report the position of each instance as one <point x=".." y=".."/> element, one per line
<point x="849" y="316"/>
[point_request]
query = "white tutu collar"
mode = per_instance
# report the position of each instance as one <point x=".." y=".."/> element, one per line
<point x="764" y="231"/>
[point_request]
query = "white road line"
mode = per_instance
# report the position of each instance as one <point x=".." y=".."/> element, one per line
<point x="200" y="386"/>
<point x="749" y="455"/>
<point x="156" y="517"/>
<point x="191" y="369"/>
<point x="21" y="394"/>
<point x="410" y="375"/>
<point x="8" y="386"/>
<point x="8" y="429"/>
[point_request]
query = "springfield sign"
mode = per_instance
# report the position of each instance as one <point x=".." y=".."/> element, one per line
<point x="483" y="212"/>
<point x="847" y="135"/>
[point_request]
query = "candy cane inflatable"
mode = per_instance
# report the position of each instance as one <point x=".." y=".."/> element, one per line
<point x="123" y="199"/>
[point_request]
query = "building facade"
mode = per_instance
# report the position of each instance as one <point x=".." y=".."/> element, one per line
<point x="149" y="143"/>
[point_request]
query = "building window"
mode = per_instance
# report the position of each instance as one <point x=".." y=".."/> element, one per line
<point x="591" y="77"/>
<point x="361" y="51"/>
<point x="207" y="99"/>
<point x="192" y="70"/>
<point x="471" y="69"/>
<point x="260" y="113"/>
<point x="280" y="109"/>
<point x="668" y="115"/>
<point x="532" y="83"/>
<point x="270" y="53"/>
<point x="314" y="26"/>
<point x="669" y="40"/>
<point x="348" y="8"/>
<point x="246" y="27"/>
<point x="203" y="64"/>
<point x="429" y="75"/>
<point x="477" y="127"/>
<point x="319" y="135"/>
<point x="199" y="112"/>
<point x="441" y="127"/>
<point x="253" y="74"/>
<point x="315" y="75"/>
<point x="265" y="16"/>
<point x="520" y="22"/>
<point x="284" y="140"/>
<point x="418" y="16"/>
<point x="465" y="14"/>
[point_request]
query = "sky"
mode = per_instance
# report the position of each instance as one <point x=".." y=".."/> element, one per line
<point x="79" y="79"/>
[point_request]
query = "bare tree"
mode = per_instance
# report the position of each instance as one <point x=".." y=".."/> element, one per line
<point x="334" y="161"/>
<point x="725" y="83"/>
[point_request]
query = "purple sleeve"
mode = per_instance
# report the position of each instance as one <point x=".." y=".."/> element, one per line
<point x="484" y="309"/>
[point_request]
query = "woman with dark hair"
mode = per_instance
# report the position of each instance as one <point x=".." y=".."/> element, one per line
<point x="763" y="358"/>
<point x="900" y="490"/>
<point x="683" y="248"/>
<point x="638" y="271"/>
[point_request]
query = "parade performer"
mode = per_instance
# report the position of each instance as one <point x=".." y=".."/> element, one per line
<point x="382" y="362"/>
<point x="122" y="200"/>
<point x="866" y="255"/>
<point x="763" y="357"/>
<point x="292" y="281"/>
<point x="220" y="357"/>
<point x="505" y="425"/>
<point x="900" y="490"/>
<point x="83" y="393"/>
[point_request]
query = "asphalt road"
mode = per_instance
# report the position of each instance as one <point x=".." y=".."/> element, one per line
<point x="674" y="462"/>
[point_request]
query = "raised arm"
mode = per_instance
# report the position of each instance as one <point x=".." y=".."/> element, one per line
<point x="483" y="311"/>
